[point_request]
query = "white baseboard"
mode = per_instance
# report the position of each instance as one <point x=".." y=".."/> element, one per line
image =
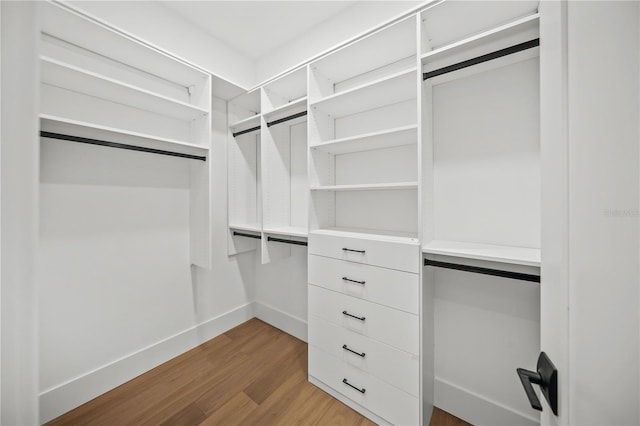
<point x="288" y="323"/>
<point x="477" y="410"/>
<point x="69" y="395"/>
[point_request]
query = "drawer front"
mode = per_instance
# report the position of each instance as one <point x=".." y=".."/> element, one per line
<point x="386" y="401"/>
<point x="396" y="289"/>
<point x="388" y="254"/>
<point x="391" y="326"/>
<point x="398" y="368"/>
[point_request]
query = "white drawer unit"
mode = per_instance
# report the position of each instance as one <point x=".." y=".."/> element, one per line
<point x="388" y="402"/>
<point x="386" y="253"/>
<point x="396" y="289"/>
<point x="396" y="367"/>
<point x="387" y="325"/>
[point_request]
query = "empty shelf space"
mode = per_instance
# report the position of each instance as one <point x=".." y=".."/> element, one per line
<point x="398" y="136"/>
<point x="54" y="124"/>
<point x="251" y="227"/>
<point x="494" y="253"/>
<point x="369" y="234"/>
<point x="291" y="231"/>
<point x="70" y="77"/>
<point x="283" y="110"/>
<point x="367" y="187"/>
<point x="523" y="24"/>
<point x="388" y="90"/>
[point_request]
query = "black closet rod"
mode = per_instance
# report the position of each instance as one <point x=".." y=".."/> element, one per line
<point x="485" y="271"/>
<point x="271" y="123"/>
<point x="242" y="234"/>
<point x="280" y="240"/>
<point x="71" y="138"/>
<point x="484" y="58"/>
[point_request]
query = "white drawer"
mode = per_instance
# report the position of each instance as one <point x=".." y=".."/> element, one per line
<point x="388" y="254"/>
<point x="398" y="368"/>
<point x="389" y="287"/>
<point x="386" y="401"/>
<point x="391" y="326"/>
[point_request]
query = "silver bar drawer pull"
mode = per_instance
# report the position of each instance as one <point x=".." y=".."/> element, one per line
<point x="353" y="316"/>
<point x="346" y="382"/>
<point x="346" y="348"/>
<point x="353" y="281"/>
<point x="355" y="251"/>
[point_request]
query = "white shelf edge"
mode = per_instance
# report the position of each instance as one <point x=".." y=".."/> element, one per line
<point x="245" y="121"/>
<point x="115" y="130"/>
<point x="246" y="227"/>
<point x="370" y="234"/>
<point x="291" y="105"/>
<point x="495" y="253"/>
<point x="288" y="231"/>
<point x="386" y="78"/>
<point x="480" y="36"/>
<point x="363" y="136"/>
<point x="367" y="187"/>
<point x="127" y="86"/>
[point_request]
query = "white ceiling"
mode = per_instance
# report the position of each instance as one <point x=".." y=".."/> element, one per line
<point x="254" y="28"/>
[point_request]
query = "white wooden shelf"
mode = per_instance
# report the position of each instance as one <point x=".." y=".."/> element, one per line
<point x="76" y="79"/>
<point x="282" y="110"/>
<point x="494" y="253"/>
<point x="252" y="227"/>
<point x="291" y="231"/>
<point x="369" y="234"/>
<point x="51" y="123"/>
<point x="367" y="187"/>
<point x="248" y="122"/>
<point x="389" y="138"/>
<point x="522" y="24"/>
<point x="391" y="89"/>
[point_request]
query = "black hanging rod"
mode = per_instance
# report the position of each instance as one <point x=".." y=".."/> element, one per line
<point x="484" y="58"/>
<point x="290" y="117"/>
<point x="242" y="132"/>
<point x="280" y="240"/>
<point x="485" y="271"/>
<point x="242" y="234"/>
<point x="71" y="138"/>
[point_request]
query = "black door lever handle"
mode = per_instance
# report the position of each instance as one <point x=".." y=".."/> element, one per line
<point x="546" y="377"/>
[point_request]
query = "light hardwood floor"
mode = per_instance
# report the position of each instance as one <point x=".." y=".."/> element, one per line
<point x="253" y="374"/>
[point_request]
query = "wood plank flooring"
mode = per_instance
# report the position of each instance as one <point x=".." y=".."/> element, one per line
<point x="253" y="374"/>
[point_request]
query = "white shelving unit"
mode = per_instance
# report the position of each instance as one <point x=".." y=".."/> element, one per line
<point x="244" y="172"/>
<point x="284" y="159"/>
<point x="97" y="83"/>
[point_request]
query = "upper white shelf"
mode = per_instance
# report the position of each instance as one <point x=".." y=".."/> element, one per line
<point x="73" y="78"/>
<point x="367" y="187"/>
<point x="251" y="227"/>
<point x="248" y="122"/>
<point x="527" y="23"/>
<point x="54" y="124"/>
<point x="291" y="231"/>
<point x="494" y="253"/>
<point x="281" y="111"/>
<point x="388" y="138"/>
<point x="388" y="90"/>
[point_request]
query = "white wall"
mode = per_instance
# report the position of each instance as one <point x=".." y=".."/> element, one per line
<point x="174" y="34"/>
<point x="351" y="22"/>
<point x="19" y="152"/>
<point x="117" y="293"/>
<point x="604" y="221"/>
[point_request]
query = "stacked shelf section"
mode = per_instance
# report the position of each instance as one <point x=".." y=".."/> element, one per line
<point x="244" y="173"/>
<point x="99" y="84"/>
<point x="363" y="132"/>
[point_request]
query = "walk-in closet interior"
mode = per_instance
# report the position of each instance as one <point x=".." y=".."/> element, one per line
<point x="397" y="184"/>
